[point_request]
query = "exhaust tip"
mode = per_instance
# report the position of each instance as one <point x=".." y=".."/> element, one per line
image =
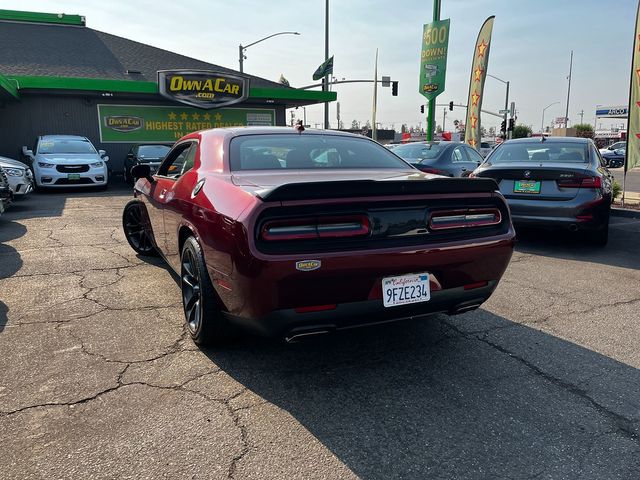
<point x="295" y="337"/>
<point x="573" y="227"/>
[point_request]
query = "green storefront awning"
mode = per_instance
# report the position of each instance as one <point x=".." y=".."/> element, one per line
<point x="276" y="95"/>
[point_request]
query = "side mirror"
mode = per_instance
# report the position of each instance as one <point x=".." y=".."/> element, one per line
<point x="130" y="156"/>
<point x="105" y="158"/>
<point x="102" y="153"/>
<point x="26" y="152"/>
<point x="142" y="171"/>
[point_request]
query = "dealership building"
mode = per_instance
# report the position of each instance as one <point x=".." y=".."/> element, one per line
<point x="57" y="76"/>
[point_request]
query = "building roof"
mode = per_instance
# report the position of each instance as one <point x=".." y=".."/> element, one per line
<point x="62" y="50"/>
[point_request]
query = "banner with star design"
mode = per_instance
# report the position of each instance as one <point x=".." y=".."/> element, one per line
<point x="632" y="158"/>
<point x="479" y="66"/>
<point x="161" y="124"/>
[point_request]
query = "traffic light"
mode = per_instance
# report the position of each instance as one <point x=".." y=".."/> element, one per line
<point x="394" y="89"/>
<point x="451" y="106"/>
<point x="503" y="127"/>
<point x="421" y="108"/>
<point x="512" y="123"/>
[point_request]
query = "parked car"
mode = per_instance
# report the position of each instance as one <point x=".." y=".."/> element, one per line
<point x="293" y="233"/>
<point x="486" y="147"/>
<point x="67" y="160"/>
<point x="19" y="176"/>
<point x="614" y="146"/>
<point x="553" y="182"/>
<point x="6" y="194"/>
<point x="614" y="158"/>
<point x="151" y="154"/>
<point x="452" y="159"/>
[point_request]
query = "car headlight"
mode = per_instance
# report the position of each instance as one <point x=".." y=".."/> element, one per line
<point x="14" y="172"/>
<point x="46" y="165"/>
<point x="95" y="165"/>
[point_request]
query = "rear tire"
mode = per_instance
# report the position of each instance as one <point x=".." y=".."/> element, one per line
<point x="204" y="320"/>
<point x="600" y="237"/>
<point x="137" y="228"/>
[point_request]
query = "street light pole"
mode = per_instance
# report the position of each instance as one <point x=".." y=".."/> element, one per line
<point x="543" y="110"/>
<point x="242" y="48"/>
<point x="506" y="99"/>
<point x="325" y="87"/>
<point x="431" y="105"/>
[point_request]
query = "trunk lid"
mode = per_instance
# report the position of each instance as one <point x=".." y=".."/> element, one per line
<point x="513" y="178"/>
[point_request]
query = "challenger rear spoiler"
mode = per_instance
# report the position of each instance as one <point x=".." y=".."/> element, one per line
<point x="371" y="188"/>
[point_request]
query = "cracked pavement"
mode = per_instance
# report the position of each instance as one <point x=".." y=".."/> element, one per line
<point x="99" y="379"/>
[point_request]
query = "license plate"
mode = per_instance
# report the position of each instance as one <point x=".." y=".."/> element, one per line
<point x="526" y="186"/>
<point x="73" y="176"/>
<point x="406" y="289"/>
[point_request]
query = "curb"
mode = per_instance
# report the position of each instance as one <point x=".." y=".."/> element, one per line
<point x="625" y="212"/>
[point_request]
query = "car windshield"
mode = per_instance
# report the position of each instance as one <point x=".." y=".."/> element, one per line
<point x="65" y="145"/>
<point x="300" y="151"/>
<point x="557" y="152"/>
<point x="418" y="151"/>
<point x="152" y="151"/>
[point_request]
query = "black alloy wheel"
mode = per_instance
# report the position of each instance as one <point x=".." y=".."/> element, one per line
<point x="137" y="228"/>
<point x="201" y="305"/>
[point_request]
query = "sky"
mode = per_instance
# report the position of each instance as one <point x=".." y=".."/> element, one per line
<point x="531" y="45"/>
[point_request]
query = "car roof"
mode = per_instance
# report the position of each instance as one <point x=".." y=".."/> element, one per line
<point x="62" y="137"/>
<point x="548" y="140"/>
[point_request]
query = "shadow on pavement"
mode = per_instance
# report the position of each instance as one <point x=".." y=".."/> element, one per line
<point x="621" y="251"/>
<point x="10" y="259"/>
<point x="423" y="399"/>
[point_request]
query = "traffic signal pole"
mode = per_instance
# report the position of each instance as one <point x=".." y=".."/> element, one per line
<point x="431" y="113"/>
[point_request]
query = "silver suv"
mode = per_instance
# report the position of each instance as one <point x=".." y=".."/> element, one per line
<point x="6" y="194"/>
<point x="67" y="160"/>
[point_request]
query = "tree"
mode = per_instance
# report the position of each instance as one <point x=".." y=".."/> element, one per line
<point x="355" y="125"/>
<point x="584" y="130"/>
<point x="492" y="131"/>
<point x="367" y="125"/>
<point x="521" y="131"/>
<point x="483" y="131"/>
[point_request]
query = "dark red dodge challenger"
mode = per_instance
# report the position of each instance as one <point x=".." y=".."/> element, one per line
<point x="290" y="233"/>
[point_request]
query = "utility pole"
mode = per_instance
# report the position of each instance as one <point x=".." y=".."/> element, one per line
<point x="444" y="117"/>
<point x="374" y="131"/>
<point x="431" y="107"/>
<point x="566" y="115"/>
<point x="325" y="87"/>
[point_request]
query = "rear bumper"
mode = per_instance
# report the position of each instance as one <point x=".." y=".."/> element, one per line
<point x="579" y="213"/>
<point x="263" y="295"/>
<point x="290" y="324"/>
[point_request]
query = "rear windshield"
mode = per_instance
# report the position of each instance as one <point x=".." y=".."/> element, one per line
<point x="418" y="150"/>
<point x="152" y="151"/>
<point x="556" y="152"/>
<point x="300" y="151"/>
<point x="66" y="145"/>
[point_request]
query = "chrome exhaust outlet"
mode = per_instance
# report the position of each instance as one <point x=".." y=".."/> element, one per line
<point x="573" y="227"/>
<point x="464" y="308"/>
<point x="296" y="337"/>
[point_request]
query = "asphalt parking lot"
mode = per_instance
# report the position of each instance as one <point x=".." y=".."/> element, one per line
<point x="98" y="378"/>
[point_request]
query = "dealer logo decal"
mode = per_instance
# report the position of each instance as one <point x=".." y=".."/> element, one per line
<point x="308" y="265"/>
<point x="123" y="123"/>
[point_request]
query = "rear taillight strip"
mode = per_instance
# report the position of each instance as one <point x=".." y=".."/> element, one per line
<point x="444" y="220"/>
<point x="306" y="229"/>
<point x="585" y="182"/>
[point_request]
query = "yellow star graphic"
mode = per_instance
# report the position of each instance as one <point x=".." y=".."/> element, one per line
<point x="473" y="142"/>
<point x="474" y="120"/>
<point x="207" y="116"/>
<point x="474" y="98"/>
<point x="172" y="116"/>
<point x="184" y="116"/>
<point x="478" y="74"/>
<point x="481" y="48"/>
<point x="218" y="117"/>
<point x="195" y="116"/>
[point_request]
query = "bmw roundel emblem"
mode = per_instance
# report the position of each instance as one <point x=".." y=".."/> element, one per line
<point x="527" y="174"/>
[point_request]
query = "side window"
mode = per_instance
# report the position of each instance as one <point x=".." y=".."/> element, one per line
<point x="189" y="159"/>
<point x="174" y="162"/>
<point x="458" y="155"/>
<point x="474" y="156"/>
<point x="595" y="153"/>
